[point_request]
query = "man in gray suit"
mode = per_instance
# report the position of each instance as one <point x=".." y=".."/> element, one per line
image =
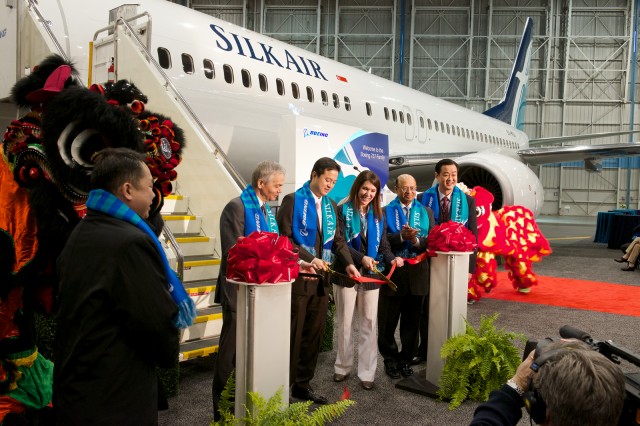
<point x="241" y="216"/>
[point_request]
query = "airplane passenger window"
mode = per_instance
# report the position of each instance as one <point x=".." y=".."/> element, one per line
<point x="428" y="123"/>
<point x="280" y="86"/>
<point x="295" y="91"/>
<point x="401" y="114"/>
<point x="473" y="136"/>
<point x="164" y="58"/>
<point x="208" y="69"/>
<point x="368" y="105"/>
<point x="448" y="129"/>
<point x="310" y="93"/>
<point x="246" y="78"/>
<point x="409" y="120"/>
<point x="187" y="63"/>
<point x="347" y="103"/>
<point x="336" y="101"/>
<point x="458" y="130"/>
<point x="264" y="86"/>
<point x="394" y="115"/>
<point x="468" y="136"/>
<point x="386" y="113"/>
<point x="228" y="74"/>
<point x="422" y="123"/>
<point x="435" y="122"/>
<point x="325" y="97"/>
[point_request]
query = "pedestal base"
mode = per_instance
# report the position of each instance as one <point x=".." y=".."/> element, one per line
<point x="419" y="384"/>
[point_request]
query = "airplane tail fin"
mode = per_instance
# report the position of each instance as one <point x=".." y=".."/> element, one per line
<point x="511" y="107"/>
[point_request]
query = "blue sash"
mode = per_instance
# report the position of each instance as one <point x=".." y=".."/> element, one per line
<point x="305" y="222"/>
<point x="352" y="230"/>
<point x="459" y="205"/>
<point x="111" y="205"/>
<point x="418" y="219"/>
<point x="254" y="219"/>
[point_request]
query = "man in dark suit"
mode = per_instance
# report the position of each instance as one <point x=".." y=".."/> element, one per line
<point x="408" y="224"/>
<point x="448" y="202"/>
<point x="310" y="219"/>
<point x="266" y="185"/>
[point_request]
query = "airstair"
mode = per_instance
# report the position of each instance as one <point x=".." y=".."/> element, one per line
<point x="207" y="181"/>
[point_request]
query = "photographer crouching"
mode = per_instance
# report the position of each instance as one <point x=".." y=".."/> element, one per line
<point x="565" y="383"/>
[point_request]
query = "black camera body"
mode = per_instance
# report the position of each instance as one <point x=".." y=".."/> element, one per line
<point x="631" y="411"/>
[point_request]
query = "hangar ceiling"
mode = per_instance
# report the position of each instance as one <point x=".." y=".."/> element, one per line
<point x="462" y="51"/>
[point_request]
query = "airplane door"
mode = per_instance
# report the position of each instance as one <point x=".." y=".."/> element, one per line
<point x="408" y="124"/>
<point x="421" y="124"/>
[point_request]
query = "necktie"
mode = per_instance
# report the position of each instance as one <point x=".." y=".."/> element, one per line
<point x="445" y="213"/>
<point x="319" y="212"/>
<point x="406" y="212"/>
<point x="264" y="210"/>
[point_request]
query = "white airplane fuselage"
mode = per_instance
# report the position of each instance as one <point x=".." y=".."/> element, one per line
<point x="246" y="122"/>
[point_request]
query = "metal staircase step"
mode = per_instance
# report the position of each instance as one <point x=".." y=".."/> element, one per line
<point x="197" y="268"/>
<point x="181" y="224"/>
<point x="198" y="348"/>
<point x="175" y="204"/>
<point x="208" y="323"/>
<point x="202" y="292"/>
<point x="200" y="245"/>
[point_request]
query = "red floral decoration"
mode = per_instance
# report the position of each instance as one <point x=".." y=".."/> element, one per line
<point x="451" y="236"/>
<point x="262" y="257"/>
<point x="163" y="151"/>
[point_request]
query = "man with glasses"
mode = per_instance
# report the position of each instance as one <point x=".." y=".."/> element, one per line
<point x="408" y="224"/>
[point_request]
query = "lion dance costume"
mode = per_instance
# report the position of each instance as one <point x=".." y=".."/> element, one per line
<point x="511" y="232"/>
<point x="44" y="183"/>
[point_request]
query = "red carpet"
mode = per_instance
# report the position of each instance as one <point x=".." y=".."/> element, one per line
<point x="569" y="293"/>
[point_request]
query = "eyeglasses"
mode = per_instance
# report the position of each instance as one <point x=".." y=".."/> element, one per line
<point x="407" y="189"/>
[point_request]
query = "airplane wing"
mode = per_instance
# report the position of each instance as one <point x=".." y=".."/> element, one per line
<point x="557" y="154"/>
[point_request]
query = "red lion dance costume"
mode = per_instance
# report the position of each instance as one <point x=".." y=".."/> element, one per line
<point x="511" y="232"/>
<point x="44" y="182"/>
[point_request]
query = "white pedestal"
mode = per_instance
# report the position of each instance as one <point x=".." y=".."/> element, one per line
<point x="262" y="342"/>
<point x="447" y="305"/>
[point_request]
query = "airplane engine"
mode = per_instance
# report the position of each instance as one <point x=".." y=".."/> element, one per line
<point x="510" y="181"/>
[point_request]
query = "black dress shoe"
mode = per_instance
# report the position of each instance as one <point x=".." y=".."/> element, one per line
<point x="366" y="385"/>
<point x="337" y="377"/>
<point x="308" y="395"/>
<point x="629" y="268"/>
<point x="416" y="360"/>
<point x="406" y="370"/>
<point x="392" y="371"/>
<point x="620" y="260"/>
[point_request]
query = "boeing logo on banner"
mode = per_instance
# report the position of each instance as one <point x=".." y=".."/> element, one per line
<point x="308" y="132"/>
<point x="3" y="33"/>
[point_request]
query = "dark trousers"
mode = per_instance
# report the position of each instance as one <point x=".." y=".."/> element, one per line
<point x="308" y="320"/>
<point x="406" y="310"/>
<point x="226" y="358"/>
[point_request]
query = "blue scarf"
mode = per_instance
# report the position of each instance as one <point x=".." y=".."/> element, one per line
<point x="418" y="219"/>
<point x="254" y="219"/>
<point x="459" y="205"/>
<point x="305" y="222"/>
<point x="109" y="204"/>
<point x="352" y="229"/>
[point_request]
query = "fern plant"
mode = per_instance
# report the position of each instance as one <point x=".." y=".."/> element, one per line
<point x="272" y="412"/>
<point x="477" y="362"/>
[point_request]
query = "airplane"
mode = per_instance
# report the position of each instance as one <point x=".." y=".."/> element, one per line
<point x="260" y="98"/>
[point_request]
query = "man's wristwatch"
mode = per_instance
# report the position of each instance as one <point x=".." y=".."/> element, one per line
<point x="515" y="386"/>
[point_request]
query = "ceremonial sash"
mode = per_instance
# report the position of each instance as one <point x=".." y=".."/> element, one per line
<point x="305" y="222"/>
<point x="111" y="205"/>
<point x="459" y="204"/>
<point x="254" y="219"/>
<point x="352" y="229"/>
<point x="418" y="219"/>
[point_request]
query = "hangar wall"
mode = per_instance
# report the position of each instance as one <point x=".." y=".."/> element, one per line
<point x="463" y="51"/>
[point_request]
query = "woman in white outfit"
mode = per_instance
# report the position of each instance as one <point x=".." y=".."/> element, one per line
<point x="365" y="232"/>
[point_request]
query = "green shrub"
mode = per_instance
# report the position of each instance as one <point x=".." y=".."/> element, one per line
<point x="272" y="412"/>
<point x="477" y="362"/>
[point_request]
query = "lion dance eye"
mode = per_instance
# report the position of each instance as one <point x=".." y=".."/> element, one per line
<point x="479" y="211"/>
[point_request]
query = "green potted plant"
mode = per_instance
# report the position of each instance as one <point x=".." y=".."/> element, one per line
<point x="272" y="412"/>
<point x="478" y="362"/>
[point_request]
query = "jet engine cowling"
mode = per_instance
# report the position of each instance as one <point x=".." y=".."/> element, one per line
<point x="510" y="181"/>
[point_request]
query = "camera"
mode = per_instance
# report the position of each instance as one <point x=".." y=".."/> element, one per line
<point x="631" y="411"/>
